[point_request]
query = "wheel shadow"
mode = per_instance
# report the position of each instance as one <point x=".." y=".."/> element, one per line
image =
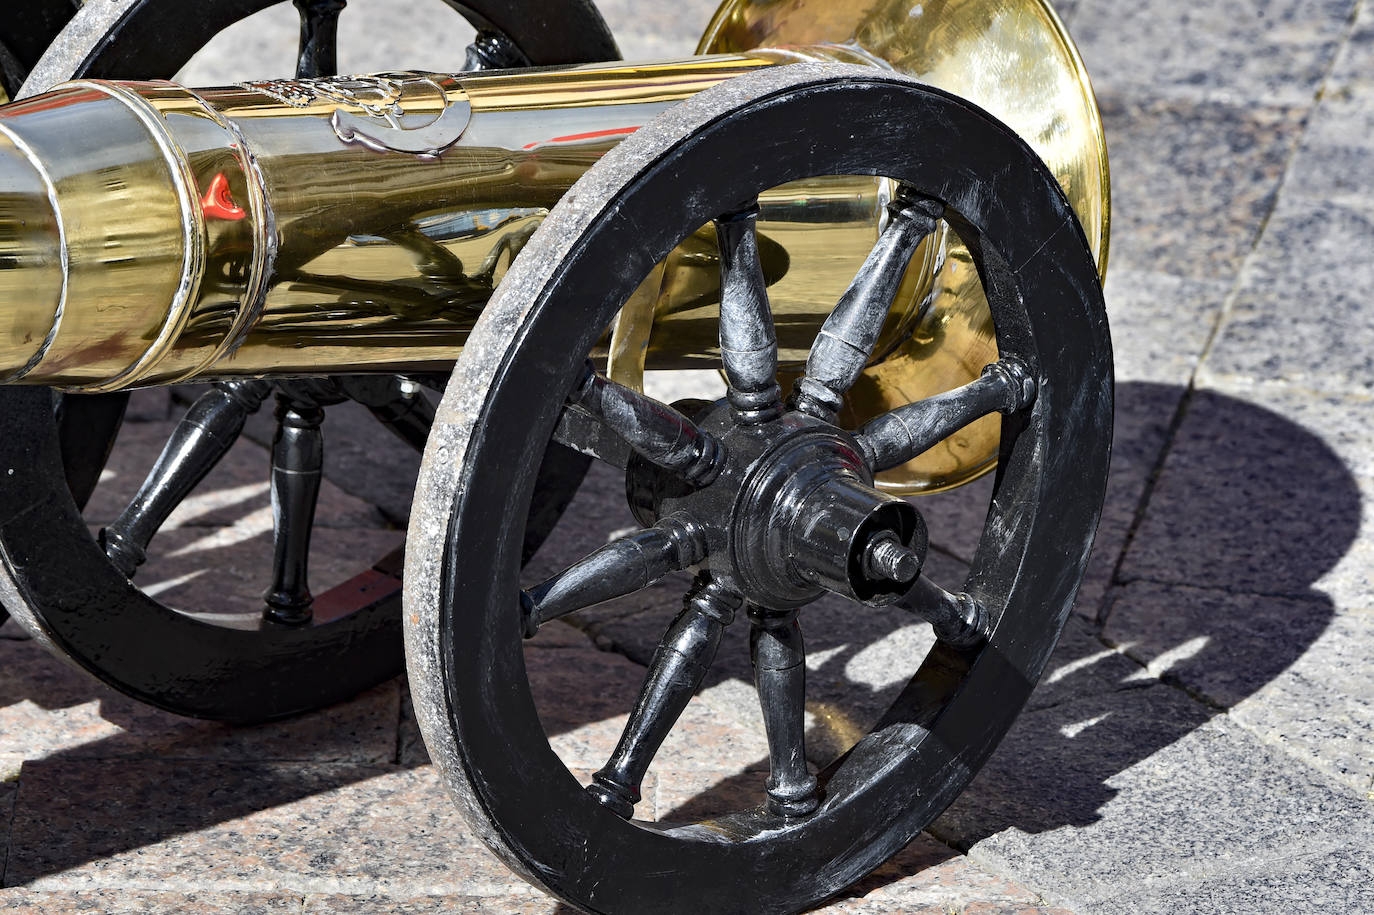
<point x="1248" y="502"/>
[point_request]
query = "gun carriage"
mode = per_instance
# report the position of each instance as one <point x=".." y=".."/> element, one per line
<point x="898" y="213"/>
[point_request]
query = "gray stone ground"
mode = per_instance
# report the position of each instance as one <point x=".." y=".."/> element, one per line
<point x="1204" y="738"/>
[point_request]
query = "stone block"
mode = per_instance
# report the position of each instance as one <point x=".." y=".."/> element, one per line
<point x="1265" y="52"/>
<point x="1301" y="314"/>
<point x="1193" y="183"/>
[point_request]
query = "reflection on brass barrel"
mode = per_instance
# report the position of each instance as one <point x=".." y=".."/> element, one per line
<point x="151" y="233"/>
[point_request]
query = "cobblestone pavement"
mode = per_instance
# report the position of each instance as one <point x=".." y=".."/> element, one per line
<point x="1204" y="737"/>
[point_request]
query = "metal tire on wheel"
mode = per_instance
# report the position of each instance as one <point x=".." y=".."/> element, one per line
<point x="55" y="577"/>
<point x="707" y="159"/>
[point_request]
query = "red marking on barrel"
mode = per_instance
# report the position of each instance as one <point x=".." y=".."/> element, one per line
<point x="218" y="202"/>
<point x="593" y="135"/>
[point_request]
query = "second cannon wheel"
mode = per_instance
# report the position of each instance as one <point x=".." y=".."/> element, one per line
<point x="73" y="592"/>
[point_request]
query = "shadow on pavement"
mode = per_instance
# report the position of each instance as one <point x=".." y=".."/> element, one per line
<point x="1078" y="732"/>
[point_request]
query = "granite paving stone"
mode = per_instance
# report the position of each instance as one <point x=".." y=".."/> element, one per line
<point x="197" y="826"/>
<point x="338" y="904"/>
<point x="1083" y="664"/>
<point x="1193" y="184"/>
<point x="49" y="709"/>
<point x="1262" y="492"/>
<point x="123" y="901"/>
<point x="1150" y="795"/>
<point x="374" y="35"/>
<point x="1335" y="155"/>
<point x="930" y="875"/>
<point x="584" y="701"/>
<point x="654" y="31"/>
<point x="1336" y="881"/>
<point x="1352" y="75"/>
<point x="1301" y="314"/>
<point x="1292" y="670"/>
<point x="1261" y="52"/>
<point x="1152" y="376"/>
<point x="149" y="405"/>
<point x="237" y="488"/>
<point x="10" y="765"/>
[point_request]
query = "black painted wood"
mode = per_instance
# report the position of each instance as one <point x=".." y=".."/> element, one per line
<point x="675" y="672"/>
<point x="748" y="340"/>
<point x="623" y="566"/>
<point x="654" y="430"/>
<point x="319" y="43"/>
<point x="779" y="656"/>
<point x="26" y="29"/>
<point x="901" y="434"/>
<point x="297" y="471"/>
<point x="200" y="440"/>
<point x="847" y="338"/>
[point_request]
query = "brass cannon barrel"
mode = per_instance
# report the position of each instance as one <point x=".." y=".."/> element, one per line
<point x="151" y="233"/>
<point x="154" y="233"/>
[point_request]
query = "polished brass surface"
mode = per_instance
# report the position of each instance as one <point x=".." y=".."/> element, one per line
<point x="151" y="233"/>
<point x="1013" y="58"/>
<point x="292" y="226"/>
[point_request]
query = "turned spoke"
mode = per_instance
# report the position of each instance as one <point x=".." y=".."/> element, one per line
<point x="199" y="441"/>
<point x="846" y="339"/>
<point x="297" y="466"/>
<point x="621" y="567"/>
<point x="957" y="619"/>
<point x="582" y="432"/>
<point x="319" y="44"/>
<point x="748" y="341"/>
<point x="493" y="51"/>
<point x="396" y="401"/>
<point x="676" y="671"/>
<point x="779" y="656"/>
<point x="900" y="435"/>
<point x="655" y="430"/>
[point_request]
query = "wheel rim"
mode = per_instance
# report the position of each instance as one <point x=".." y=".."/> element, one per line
<point x="463" y="622"/>
<point x="57" y="580"/>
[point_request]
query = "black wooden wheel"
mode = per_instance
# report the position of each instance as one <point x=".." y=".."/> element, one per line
<point x="74" y="593"/>
<point x="770" y="503"/>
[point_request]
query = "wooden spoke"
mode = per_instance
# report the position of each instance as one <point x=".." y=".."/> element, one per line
<point x="319" y="44"/>
<point x="675" y="672"/>
<point x="621" y="567"/>
<point x="846" y="339"/>
<point x="297" y="465"/>
<point x="493" y="51"/>
<point x="900" y="435"/>
<point x="653" y="429"/>
<point x="779" y="656"/>
<point x="957" y="619"/>
<point x="748" y="341"/>
<point x="199" y="442"/>
<point x="586" y="434"/>
<point x="396" y="401"/>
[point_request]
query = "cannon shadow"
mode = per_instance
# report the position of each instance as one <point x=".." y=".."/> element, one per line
<point x="1056" y="768"/>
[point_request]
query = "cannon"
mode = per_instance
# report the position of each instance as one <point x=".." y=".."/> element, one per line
<point x="889" y="249"/>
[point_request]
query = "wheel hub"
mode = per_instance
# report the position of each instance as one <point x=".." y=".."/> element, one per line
<point x="793" y="512"/>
